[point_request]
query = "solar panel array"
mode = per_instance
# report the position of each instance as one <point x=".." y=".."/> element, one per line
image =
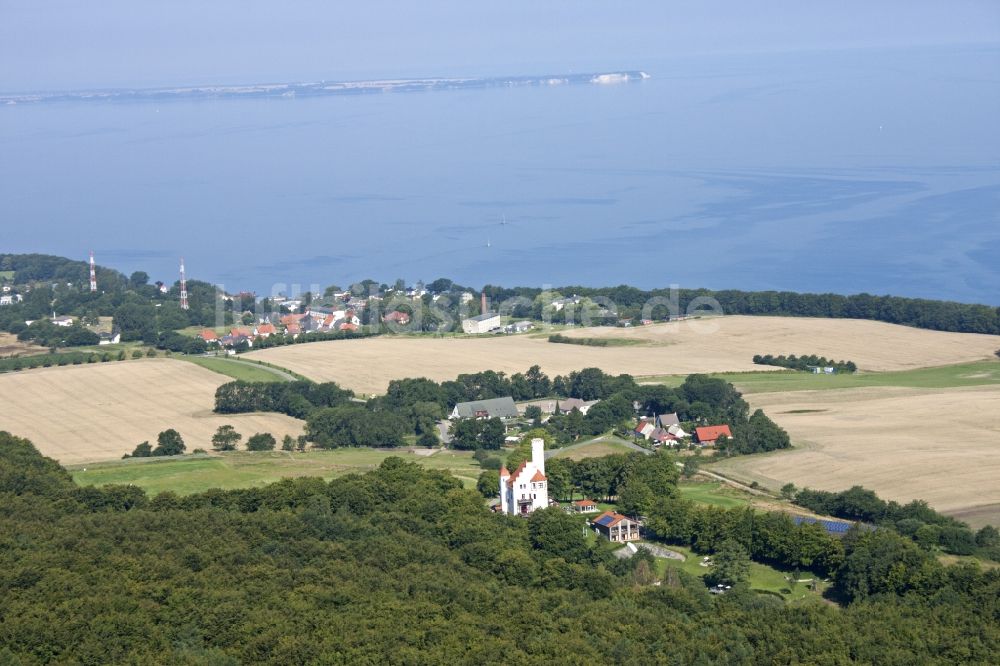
<point x="605" y="521"/>
<point x="831" y="526"/>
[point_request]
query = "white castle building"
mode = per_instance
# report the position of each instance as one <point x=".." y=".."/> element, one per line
<point x="527" y="488"/>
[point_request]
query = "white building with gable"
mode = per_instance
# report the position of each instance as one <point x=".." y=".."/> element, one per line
<point x="527" y="488"/>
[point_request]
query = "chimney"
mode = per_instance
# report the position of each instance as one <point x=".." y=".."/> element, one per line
<point x="484" y="302"/>
<point x="538" y="454"/>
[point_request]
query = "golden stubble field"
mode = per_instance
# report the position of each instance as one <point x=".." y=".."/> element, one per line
<point x="100" y="411"/>
<point x="710" y="345"/>
<point x="939" y="445"/>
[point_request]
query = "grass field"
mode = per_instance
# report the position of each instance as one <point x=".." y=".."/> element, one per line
<point x="980" y="373"/>
<point x="722" y="344"/>
<point x="713" y="493"/>
<point x="242" y="469"/>
<point x="247" y="372"/>
<point x="11" y="346"/>
<point x="101" y="411"/>
<point x="603" y="446"/>
<point x="762" y="577"/>
<point x="939" y="445"/>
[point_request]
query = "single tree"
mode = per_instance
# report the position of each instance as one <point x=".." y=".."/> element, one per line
<point x="142" y="450"/>
<point x="731" y="563"/>
<point x="226" y="438"/>
<point x="287" y="443"/>
<point x="788" y="491"/>
<point x="262" y="441"/>
<point x="169" y="443"/>
<point x="301" y="442"/>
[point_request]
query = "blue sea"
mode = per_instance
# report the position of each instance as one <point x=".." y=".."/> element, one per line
<point x="841" y="170"/>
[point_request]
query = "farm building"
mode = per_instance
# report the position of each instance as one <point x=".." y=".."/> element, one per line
<point x="503" y="408"/>
<point x="616" y="527"/>
<point x="484" y="323"/>
<point x="708" y="435"/>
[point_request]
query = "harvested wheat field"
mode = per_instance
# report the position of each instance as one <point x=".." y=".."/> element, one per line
<point x="98" y="412"/>
<point x="719" y="344"/>
<point x="942" y="446"/>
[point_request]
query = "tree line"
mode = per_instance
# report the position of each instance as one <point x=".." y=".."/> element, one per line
<point x="915" y="520"/>
<point x="411" y="568"/>
<point x="794" y="362"/>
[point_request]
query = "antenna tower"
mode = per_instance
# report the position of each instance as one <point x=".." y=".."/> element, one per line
<point x="184" y="288"/>
<point x="93" y="273"/>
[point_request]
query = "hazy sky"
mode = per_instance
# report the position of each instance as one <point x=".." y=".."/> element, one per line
<point x="63" y="44"/>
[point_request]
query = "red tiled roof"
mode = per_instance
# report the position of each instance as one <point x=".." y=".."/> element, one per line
<point x="712" y="433"/>
<point x="503" y="471"/>
<point x="293" y="328"/>
<point x="208" y="336"/>
<point x="585" y="502"/>
<point x="266" y="328"/>
<point x="517" y="472"/>
<point x="615" y="518"/>
<point x="397" y="316"/>
<point x="538" y="477"/>
<point x="238" y="332"/>
<point x="291" y="319"/>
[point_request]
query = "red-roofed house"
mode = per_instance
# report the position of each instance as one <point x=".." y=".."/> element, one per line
<point x="584" y="506"/>
<point x="527" y="488"/>
<point x="397" y="317"/>
<point x="292" y="329"/>
<point x="707" y="435"/>
<point x="616" y="527"/>
<point x="208" y="336"/>
<point x="266" y="330"/>
<point x="644" y="429"/>
<point x="291" y="319"/>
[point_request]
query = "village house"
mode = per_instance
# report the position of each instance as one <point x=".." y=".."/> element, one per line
<point x="526" y="490"/>
<point x="65" y="320"/>
<point x="112" y="338"/>
<point x="666" y="420"/>
<point x="397" y="317"/>
<point x="707" y="435"/>
<point x="562" y="405"/>
<point x="503" y="408"/>
<point x="209" y="336"/>
<point x="266" y="330"/>
<point x="10" y="299"/>
<point x="616" y="527"/>
<point x="644" y="429"/>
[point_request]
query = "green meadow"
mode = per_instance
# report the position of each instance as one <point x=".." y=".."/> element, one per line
<point x="979" y="373"/>
<point x="243" y="469"/>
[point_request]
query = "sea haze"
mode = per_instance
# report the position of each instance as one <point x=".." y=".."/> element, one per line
<point x="867" y="169"/>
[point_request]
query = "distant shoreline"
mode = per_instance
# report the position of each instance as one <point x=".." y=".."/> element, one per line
<point x="319" y="88"/>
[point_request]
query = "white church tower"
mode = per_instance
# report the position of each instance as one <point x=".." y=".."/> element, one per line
<point x="527" y="488"/>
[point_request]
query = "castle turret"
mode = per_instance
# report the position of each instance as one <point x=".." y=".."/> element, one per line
<point x="504" y="478"/>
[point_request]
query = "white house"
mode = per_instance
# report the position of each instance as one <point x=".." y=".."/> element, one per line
<point x="10" y="299"/>
<point x="63" y="321"/>
<point x="483" y="323"/>
<point x="527" y="488"/>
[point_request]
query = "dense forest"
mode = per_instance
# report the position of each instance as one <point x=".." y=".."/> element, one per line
<point x="402" y="565"/>
<point x="414" y="406"/>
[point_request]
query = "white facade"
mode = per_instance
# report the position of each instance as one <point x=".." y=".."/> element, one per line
<point x="527" y="488"/>
<point x="484" y="323"/>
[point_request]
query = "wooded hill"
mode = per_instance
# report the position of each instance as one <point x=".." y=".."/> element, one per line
<point x="402" y="565"/>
